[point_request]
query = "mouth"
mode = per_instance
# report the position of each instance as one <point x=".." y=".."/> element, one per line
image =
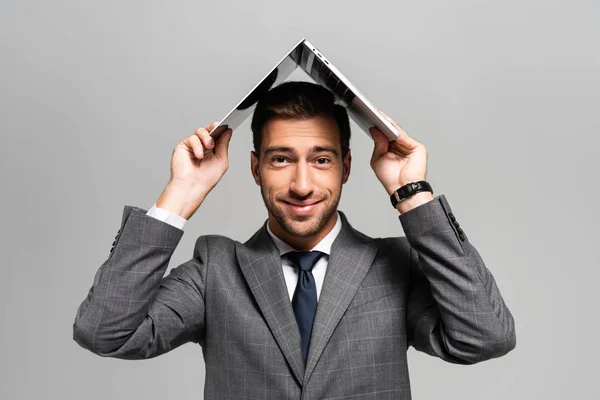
<point x="303" y="208"/>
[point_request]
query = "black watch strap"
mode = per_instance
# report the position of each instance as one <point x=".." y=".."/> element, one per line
<point x="408" y="190"/>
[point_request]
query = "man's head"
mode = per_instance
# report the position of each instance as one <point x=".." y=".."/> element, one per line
<point x="301" y="159"/>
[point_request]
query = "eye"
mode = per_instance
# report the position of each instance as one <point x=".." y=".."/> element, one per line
<point x="323" y="161"/>
<point x="278" y="160"/>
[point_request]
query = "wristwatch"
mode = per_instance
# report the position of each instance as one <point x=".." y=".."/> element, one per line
<point x="408" y="190"/>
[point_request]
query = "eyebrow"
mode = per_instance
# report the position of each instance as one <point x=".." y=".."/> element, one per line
<point x="314" y="149"/>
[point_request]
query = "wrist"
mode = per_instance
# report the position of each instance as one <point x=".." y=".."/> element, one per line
<point x="181" y="199"/>
<point x="414" y="201"/>
<point x="392" y="187"/>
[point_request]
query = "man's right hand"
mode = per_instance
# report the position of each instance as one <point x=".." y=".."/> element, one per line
<point x="197" y="165"/>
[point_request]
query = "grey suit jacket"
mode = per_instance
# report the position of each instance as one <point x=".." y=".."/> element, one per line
<point x="429" y="289"/>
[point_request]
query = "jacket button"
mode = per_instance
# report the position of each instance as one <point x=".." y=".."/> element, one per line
<point x="461" y="236"/>
<point x="452" y="217"/>
<point x="460" y="231"/>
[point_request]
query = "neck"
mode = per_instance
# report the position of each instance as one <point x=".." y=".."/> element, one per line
<point x="302" y="243"/>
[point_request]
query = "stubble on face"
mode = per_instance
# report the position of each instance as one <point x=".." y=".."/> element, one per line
<point x="314" y="145"/>
<point x="302" y="226"/>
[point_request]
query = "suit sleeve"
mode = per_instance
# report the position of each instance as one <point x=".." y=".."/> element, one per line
<point x="455" y="310"/>
<point x="132" y="311"/>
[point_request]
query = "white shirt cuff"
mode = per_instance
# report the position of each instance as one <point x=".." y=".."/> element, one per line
<point x="167" y="216"/>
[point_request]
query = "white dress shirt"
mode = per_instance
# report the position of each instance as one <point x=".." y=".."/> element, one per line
<point x="290" y="272"/>
<point x="167" y="216"/>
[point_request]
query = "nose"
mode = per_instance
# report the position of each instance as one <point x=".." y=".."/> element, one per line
<point x="302" y="183"/>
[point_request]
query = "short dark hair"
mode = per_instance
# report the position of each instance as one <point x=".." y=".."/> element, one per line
<point x="299" y="100"/>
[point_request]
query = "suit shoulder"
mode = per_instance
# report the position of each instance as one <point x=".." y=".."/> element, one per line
<point x="219" y="240"/>
<point x="209" y="244"/>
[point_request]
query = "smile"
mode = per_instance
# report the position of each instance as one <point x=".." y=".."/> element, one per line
<point x="303" y="209"/>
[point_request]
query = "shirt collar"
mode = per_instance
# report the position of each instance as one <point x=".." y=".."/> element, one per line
<point x="324" y="245"/>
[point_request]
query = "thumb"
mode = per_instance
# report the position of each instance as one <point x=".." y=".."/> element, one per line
<point x="381" y="143"/>
<point x="222" y="144"/>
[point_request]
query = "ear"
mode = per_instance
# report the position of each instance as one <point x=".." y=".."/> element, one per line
<point x="347" y="165"/>
<point x="254" y="167"/>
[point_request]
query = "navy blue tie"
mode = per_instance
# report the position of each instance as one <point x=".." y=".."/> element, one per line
<point x="304" y="301"/>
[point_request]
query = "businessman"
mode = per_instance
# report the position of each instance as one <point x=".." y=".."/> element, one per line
<point x="308" y="307"/>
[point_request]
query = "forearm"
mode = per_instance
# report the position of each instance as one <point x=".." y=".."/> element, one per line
<point x="467" y="317"/>
<point x="181" y="199"/>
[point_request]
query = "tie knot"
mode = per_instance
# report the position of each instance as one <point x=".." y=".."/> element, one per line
<point x="305" y="260"/>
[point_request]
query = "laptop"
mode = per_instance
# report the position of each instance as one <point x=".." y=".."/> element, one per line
<point x="322" y="71"/>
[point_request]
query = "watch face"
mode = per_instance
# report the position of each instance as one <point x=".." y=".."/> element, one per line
<point x="408" y="190"/>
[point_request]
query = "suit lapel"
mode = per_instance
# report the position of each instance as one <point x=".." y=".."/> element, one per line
<point x="260" y="263"/>
<point x="352" y="254"/>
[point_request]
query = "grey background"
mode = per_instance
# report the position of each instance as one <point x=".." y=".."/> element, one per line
<point x="95" y="95"/>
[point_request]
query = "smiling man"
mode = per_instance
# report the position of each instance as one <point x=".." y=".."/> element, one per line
<point x="300" y="184"/>
<point x="308" y="308"/>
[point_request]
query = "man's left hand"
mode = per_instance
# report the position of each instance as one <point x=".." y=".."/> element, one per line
<point x="399" y="162"/>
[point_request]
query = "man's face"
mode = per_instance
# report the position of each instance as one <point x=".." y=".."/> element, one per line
<point x="301" y="172"/>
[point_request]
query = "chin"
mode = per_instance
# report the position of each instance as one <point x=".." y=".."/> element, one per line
<point x="303" y="225"/>
<point x="302" y="229"/>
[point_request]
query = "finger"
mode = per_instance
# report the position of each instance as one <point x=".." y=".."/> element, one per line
<point x="211" y="126"/>
<point x="381" y="143"/>
<point x="404" y="140"/>
<point x="394" y="124"/>
<point x="204" y="135"/>
<point x="222" y="147"/>
<point x="196" y="146"/>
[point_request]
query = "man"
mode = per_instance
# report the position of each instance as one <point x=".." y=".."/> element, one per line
<point x="308" y="308"/>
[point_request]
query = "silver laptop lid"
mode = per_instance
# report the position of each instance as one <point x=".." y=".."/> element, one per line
<point x="312" y="61"/>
